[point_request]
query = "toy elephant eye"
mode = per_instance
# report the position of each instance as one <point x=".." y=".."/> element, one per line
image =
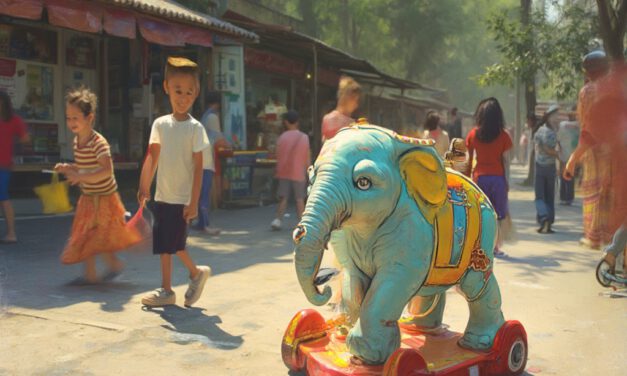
<point x="364" y="184"/>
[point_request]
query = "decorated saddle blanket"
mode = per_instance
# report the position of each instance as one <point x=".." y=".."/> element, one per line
<point x="457" y="232"/>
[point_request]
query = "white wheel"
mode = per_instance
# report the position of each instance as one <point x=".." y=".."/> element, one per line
<point x="517" y="356"/>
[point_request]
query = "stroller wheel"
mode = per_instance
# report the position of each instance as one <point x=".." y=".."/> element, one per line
<point x="604" y="268"/>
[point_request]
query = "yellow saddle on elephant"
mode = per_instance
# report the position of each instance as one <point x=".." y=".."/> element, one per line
<point x="451" y="202"/>
<point x="457" y="231"/>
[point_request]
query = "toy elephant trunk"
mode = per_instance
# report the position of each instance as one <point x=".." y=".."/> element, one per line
<point x="325" y="211"/>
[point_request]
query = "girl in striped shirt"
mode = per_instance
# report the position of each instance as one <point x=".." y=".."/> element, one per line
<point x="99" y="225"/>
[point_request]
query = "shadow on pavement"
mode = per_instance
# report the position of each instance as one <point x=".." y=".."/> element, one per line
<point x="192" y="325"/>
<point x="34" y="278"/>
<point x="531" y="268"/>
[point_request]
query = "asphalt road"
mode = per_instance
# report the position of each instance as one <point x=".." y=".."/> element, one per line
<point x="48" y="327"/>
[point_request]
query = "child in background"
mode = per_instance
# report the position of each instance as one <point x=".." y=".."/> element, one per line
<point x="176" y="148"/>
<point x="435" y="132"/>
<point x="293" y="159"/>
<point x="99" y="225"/>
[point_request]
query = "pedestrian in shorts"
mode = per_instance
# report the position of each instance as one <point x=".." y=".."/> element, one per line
<point x="293" y="158"/>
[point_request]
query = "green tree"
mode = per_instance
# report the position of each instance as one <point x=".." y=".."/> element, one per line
<point x="553" y="48"/>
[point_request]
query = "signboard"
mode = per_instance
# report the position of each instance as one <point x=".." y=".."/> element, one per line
<point x="274" y="63"/>
<point x="229" y="79"/>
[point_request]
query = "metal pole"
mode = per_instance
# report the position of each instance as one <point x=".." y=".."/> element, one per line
<point x="316" y="126"/>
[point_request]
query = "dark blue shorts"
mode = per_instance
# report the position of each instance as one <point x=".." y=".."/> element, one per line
<point x="5" y="176"/>
<point x="169" y="232"/>
<point x="495" y="187"/>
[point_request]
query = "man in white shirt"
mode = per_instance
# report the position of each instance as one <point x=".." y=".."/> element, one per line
<point x="211" y="121"/>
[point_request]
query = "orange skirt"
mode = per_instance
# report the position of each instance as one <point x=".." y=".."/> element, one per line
<point x="98" y="227"/>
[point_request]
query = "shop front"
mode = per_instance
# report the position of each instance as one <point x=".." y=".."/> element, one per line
<point x="273" y="83"/>
<point x="50" y="46"/>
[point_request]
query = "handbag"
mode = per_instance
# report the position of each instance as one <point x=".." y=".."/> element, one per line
<point x="54" y="196"/>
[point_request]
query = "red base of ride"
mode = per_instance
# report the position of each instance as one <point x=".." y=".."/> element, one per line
<point x="310" y="345"/>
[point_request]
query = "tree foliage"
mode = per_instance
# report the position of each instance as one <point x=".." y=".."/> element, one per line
<point x="554" y="48"/>
<point x="454" y="44"/>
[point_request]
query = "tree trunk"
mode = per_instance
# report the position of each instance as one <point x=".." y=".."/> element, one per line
<point x="612" y="23"/>
<point x="345" y="23"/>
<point x="309" y="17"/>
<point x="529" y="84"/>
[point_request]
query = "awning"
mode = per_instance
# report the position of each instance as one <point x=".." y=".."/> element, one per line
<point x="75" y="15"/>
<point x="159" y="32"/>
<point x="29" y="9"/>
<point x="195" y="36"/>
<point x="119" y="23"/>
<point x="117" y="19"/>
<point x="284" y="41"/>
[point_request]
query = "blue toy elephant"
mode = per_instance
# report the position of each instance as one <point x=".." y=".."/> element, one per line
<point x="402" y="227"/>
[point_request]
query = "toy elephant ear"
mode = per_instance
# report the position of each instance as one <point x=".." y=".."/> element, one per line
<point x="425" y="179"/>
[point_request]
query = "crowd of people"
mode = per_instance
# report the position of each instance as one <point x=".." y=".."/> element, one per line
<point x="182" y="155"/>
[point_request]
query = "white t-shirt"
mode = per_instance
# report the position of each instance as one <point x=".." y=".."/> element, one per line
<point x="211" y="122"/>
<point x="175" y="168"/>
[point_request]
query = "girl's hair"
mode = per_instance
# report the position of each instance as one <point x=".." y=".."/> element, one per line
<point x="489" y="118"/>
<point x="347" y="87"/>
<point x="7" y="107"/>
<point x="83" y="98"/>
<point x="432" y="120"/>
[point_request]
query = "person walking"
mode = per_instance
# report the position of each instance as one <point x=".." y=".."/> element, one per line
<point x="211" y="122"/>
<point x="433" y="131"/>
<point x="454" y="127"/>
<point x="99" y="226"/>
<point x="545" y="143"/>
<point x="11" y="127"/>
<point x="602" y="149"/>
<point x="176" y="145"/>
<point x="533" y="125"/>
<point x="491" y="144"/>
<point x="293" y="158"/>
<point x="567" y="137"/>
<point x="348" y="97"/>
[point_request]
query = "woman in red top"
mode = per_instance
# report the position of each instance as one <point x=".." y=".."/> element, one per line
<point x="11" y="127"/>
<point x="491" y="144"/>
<point x="348" y="96"/>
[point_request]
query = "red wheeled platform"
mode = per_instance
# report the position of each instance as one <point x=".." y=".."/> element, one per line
<point x="311" y="345"/>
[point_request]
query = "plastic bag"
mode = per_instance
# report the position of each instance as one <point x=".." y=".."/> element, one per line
<point x="142" y="222"/>
<point x="54" y="196"/>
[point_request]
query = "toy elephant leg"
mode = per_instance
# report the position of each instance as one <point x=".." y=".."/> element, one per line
<point x="376" y="335"/>
<point x="354" y="287"/>
<point x="486" y="317"/>
<point x="426" y="312"/>
<point x="338" y="247"/>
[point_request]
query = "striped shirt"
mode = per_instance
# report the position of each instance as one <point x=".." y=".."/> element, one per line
<point x="86" y="159"/>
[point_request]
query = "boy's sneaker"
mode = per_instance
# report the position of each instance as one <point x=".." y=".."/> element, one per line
<point x="196" y="285"/>
<point x="276" y="225"/>
<point x="159" y="298"/>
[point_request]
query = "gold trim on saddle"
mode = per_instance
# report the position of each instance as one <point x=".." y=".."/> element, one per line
<point x="442" y="270"/>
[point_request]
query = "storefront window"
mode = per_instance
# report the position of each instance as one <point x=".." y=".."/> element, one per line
<point x="81" y="52"/>
<point x="37" y="102"/>
<point x="20" y="42"/>
<point x="266" y="99"/>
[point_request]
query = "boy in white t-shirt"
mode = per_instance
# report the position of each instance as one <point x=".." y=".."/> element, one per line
<point x="176" y="146"/>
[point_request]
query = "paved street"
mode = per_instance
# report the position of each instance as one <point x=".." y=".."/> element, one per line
<point x="50" y="328"/>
